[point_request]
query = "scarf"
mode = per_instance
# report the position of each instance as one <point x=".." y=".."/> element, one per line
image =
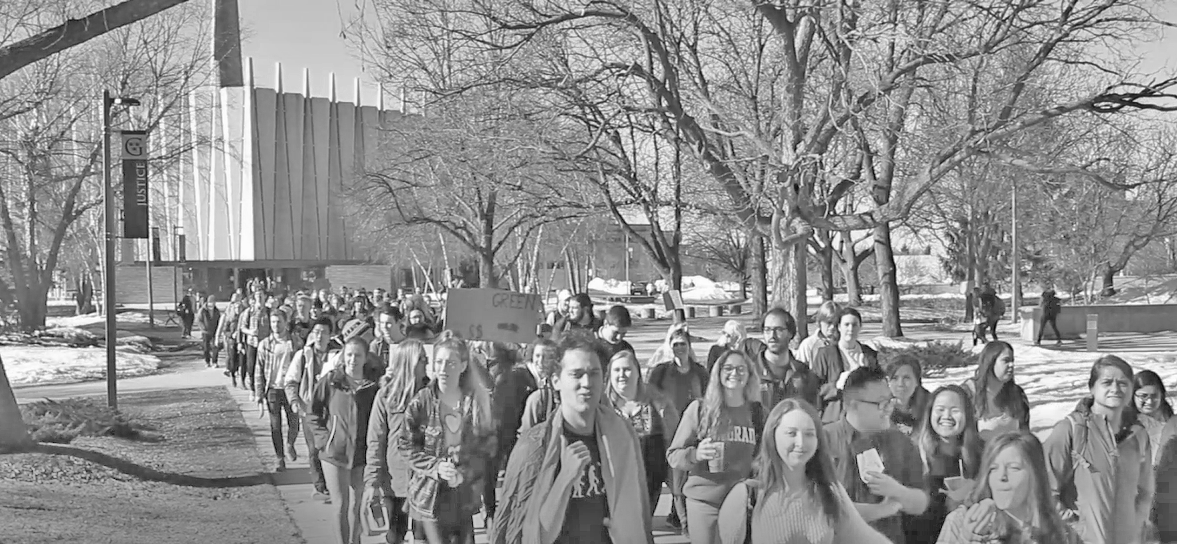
<point x="621" y="468"/>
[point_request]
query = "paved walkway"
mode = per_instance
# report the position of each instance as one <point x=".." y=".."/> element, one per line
<point x="311" y="516"/>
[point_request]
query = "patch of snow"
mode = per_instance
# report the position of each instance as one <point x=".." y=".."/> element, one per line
<point x="95" y="319"/>
<point x="30" y="365"/>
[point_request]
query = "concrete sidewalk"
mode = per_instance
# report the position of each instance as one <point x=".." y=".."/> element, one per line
<point x="311" y="516"/>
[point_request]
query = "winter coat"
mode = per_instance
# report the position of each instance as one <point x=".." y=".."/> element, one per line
<point x="828" y="366"/>
<point x="422" y="442"/>
<point x="339" y="416"/>
<point x="1105" y="478"/>
<point x="387" y="468"/>
<point x="512" y="388"/>
<point x="1164" y="513"/>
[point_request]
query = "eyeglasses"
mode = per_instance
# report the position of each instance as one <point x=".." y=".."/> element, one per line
<point x="1145" y="397"/>
<point x="737" y="370"/>
<point x="880" y="404"/>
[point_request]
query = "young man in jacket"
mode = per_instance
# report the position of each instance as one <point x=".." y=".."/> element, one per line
<point x="275" y="353"/>
<point x="209" y="320"/>
<point x="227" y="336"/>
<point x="578" y="477"/>
<point x="782" y="376"/>
<point x="299" y="384"/>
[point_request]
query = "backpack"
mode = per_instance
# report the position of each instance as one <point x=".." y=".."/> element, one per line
<point x="1069" y="493"/>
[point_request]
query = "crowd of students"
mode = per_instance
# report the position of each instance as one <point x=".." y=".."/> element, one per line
<point x="566" y="441"/>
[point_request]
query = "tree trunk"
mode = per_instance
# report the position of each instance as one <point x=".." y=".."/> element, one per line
<point x="13" y="433"/>
<point x="1108" y="282"/>
<point x="789" y="286"/>
<point x="850" y="271"/>
<point x="758" y="273"/>
<point x="825" y="260"/>
<point x="888" y="281"/>
<point x="487" y="279"/>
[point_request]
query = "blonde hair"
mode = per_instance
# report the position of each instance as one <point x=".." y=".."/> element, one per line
<point x="714" y="405"/>
<point x="399" y="382"/>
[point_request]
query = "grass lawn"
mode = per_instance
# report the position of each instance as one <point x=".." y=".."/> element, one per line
<point x="193" y="477"/>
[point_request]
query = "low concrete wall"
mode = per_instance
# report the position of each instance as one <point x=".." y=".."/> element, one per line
<point x="1072" y="320"/>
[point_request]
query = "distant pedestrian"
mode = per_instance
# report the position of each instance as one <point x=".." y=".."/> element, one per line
<point x="580" y="318"/>
<point x="833" y="364"/>
<point x="209" y="321"/>
<point x="543" y="364"/>
<point x="1050" y="306"/>
<point x="186" y="310"/>
<point x="827" y="332"/>
<point x="227" y="336"/>
<point x="1000" y="403"/>
<point x="253" y="327"/>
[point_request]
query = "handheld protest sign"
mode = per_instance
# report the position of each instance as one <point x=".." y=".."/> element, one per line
<point x="494" y="315"/>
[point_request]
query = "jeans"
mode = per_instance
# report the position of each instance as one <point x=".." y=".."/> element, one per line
<point x="657" y="469"/>
<point x="276" y="398"/>
<point x="490" y="484"/>
<point x="704" y="521"/>
<point x="186" y="321"/>
<point x="1053" y="320"/>
<point x="250" y="366"/>
<point x="208" y="347"/>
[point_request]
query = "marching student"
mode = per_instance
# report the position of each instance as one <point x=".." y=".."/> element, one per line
<point x="299" y="384"/>
<point x="544" y="365"/>
<point x="796" y="497"/>
<point x="1100" y="461"/>
<point x="654" y="418"/>
<point x="1151" y="404"/>
<point x="1011" y="500"/>
<point x="782" y="375"/>
<point x="950" y="449"/>
<point x="579" y="476"/>
<point x="274" y="355"/>
<point x="387" y="474"/>
<point x="612" y="332"/>
<point x="448" y="437"/>
<point x="227" y="337"/>
<point x="827" y="332"/>
<point x="209" y="320"/>
<point x="905" y="376"/>
<point x="1000" y="403"/>
<point x="833" y="363"/>
<point x="879" y="466"/>
<point x="340" y="410"/>
<point x="716" y="441"/>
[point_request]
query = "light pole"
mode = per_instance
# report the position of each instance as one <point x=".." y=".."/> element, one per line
<point x="108" y="257"/>
<point x="1015" y="299"/>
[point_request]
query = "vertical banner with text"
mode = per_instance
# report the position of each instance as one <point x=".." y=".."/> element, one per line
<point x="135" y="205"/>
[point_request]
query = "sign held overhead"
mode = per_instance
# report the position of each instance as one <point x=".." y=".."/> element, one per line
<point x="493" y="315"/>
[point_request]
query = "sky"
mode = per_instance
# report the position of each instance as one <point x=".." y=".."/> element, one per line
<point x="307" y="34"/>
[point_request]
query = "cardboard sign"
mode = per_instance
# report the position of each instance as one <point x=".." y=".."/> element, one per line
<point x="135" y="202"/>
<point x="493" y="315"/>
<point x="672" y="300"/>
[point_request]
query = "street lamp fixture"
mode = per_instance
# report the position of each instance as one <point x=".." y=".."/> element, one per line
<point x="108" y="281"/>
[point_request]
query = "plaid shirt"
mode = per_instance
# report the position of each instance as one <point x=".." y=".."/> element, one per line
<point x="257" y="321"/>
<point x="274" y="355"/>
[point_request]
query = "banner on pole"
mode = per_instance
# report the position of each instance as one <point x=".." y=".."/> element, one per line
<point x="494" y="315"/>
<point x="135" y="192"/>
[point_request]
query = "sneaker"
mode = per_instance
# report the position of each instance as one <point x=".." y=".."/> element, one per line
<point x="291" y="452"/>
<point x="673" y="521"/>
<point x="322" y="495"/>
<point x="281" y="465"/>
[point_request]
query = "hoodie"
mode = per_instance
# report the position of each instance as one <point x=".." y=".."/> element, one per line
<point x="1106" y="478"/>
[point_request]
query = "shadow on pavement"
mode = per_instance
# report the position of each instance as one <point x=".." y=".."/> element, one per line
<point x="149" y="474"/>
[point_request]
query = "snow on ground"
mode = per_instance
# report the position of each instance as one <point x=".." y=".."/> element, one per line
<point x="1054" y="380"/>
<point x="94" y="319"/>
<point x="29" y="365"/>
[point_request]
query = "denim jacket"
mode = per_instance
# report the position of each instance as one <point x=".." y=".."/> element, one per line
<point x="421" y="440"/>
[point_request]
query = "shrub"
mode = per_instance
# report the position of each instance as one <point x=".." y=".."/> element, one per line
<point x="62" y="421"/>
<point x="935" y="357"/>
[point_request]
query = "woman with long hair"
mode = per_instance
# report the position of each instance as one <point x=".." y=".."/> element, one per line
<point x="653" y="417"/>
<point x="1100" y="461"/>
<point x="1150" y="402"/>
<point x="1011" y="501"/>
<point x="905" y="377"/>
<point x="1000" y="403"/>
<point x="340" y="411"/>
<point x="796" y="496"/>
<point x="716" y="441"/>
<point x="386" y="478"/>
<point x="950" y="449"/>
<point x="543" y="361"/>
<point x="448" y="437"/>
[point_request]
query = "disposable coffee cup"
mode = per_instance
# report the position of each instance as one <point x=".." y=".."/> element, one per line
<point x="955" y="483"/>
<point x="715" y="466"/>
